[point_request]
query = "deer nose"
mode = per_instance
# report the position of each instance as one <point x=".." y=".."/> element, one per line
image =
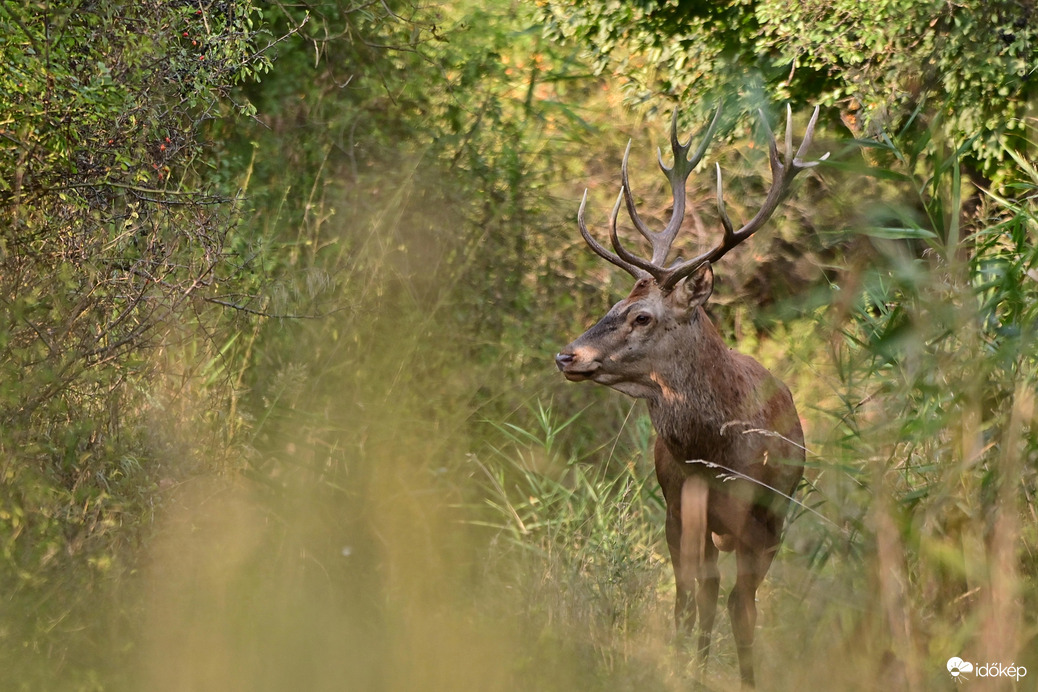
<point x="563" y="359"/>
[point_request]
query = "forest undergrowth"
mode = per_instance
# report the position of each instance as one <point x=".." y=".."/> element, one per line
<point x="279" y="408"/>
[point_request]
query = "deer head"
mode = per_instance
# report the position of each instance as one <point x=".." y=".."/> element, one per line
<point x="625" y="349"/>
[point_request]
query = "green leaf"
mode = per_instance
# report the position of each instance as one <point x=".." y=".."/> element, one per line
<point x="892" y="233"/>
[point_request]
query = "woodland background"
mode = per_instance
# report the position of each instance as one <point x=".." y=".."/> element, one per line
<point x="280" y="287"/>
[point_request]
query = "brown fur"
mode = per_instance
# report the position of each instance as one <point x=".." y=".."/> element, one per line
<point x="730" y="448"/>
<point x="708" y="404"/>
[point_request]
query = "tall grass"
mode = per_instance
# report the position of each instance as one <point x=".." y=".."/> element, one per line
<point x="386" y="534"/>
<point x="925" y="451"/>
<point x="915" y="538"/>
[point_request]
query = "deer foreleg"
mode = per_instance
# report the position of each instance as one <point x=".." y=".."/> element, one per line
<point x="706" y="598"/>
<point x="690" y="556"/>
<point x="684" y="579"/>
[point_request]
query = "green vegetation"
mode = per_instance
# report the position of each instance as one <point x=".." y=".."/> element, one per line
<point x="281" y="287"/>
<point x="966" y="67"/>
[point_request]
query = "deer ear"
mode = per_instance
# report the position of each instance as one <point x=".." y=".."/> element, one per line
<point x="694" y="290"/>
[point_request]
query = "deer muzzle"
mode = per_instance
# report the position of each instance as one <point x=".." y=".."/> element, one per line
<point x="574" y="368"/>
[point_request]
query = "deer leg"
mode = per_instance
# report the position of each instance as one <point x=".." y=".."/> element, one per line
<point x="706" y="598"/>
<point x="752" y="560"/>
<point x="684" y="604"/>
<point x="742" y="609"/>
<point x="694" y="536"/>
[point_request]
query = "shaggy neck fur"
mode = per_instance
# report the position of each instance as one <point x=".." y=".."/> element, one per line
<point x="695" y="395"/>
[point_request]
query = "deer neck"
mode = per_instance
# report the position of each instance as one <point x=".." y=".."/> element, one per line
<point x="697" y="390"/>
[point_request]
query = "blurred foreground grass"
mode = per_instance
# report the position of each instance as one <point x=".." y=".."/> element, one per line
<point x="392" y="517"/>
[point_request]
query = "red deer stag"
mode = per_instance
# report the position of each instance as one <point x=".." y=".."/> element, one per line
<point x="729" y="451"/>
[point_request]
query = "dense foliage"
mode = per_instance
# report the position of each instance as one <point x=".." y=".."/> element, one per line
<point x="968" y="66"/>
<point x="281" y="283"/>
<point x="113" y="233"/>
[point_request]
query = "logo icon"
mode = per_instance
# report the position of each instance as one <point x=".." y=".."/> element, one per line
<point x="956" y="666"/>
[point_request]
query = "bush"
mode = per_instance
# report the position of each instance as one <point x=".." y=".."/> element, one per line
<point x="112" y="237"/>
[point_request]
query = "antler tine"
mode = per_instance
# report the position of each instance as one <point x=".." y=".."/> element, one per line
<point x="782" y="175"/>
<point x="694" y="161"/>
<point x="632" y="211"/>
<point x="678" y="173"/>
<point x="773" y="155"/>
<point x="789" y="133"/>
<point x="682" y="269"/>
<point x="809" y="134"/>
<point x="652" y="269"/>
<point x="726" y="222"/>
<point x="631" y="269"/>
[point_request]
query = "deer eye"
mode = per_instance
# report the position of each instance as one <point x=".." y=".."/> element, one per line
<point x="642" y="319"/>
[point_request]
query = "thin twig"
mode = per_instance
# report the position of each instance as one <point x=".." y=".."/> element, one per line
<point x="768" y="433"/>
<point x="276" y="41"/>
<point x="714" y="465"/>
<point x="273" y="315"/>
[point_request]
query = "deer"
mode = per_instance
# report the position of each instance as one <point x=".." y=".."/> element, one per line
<point x="729" y="452"/>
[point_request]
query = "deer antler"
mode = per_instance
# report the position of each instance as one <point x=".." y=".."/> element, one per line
<point x="782" y="173"/>
<point x="677" y="174"/>
<point x="662" y="240"/>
